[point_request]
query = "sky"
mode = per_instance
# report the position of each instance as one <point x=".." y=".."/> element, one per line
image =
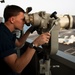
<point x="61" y="6"/>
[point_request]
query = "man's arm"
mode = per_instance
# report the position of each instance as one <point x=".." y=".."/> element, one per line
<point x="19" y="42"/>
<point x="19" y="63"/>
<point x="23" y="38"/>
<point x="16" y="63"/>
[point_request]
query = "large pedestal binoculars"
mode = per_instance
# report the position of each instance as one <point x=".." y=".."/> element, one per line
<point x="45" y="21"/>
<point x="52" y="23"/>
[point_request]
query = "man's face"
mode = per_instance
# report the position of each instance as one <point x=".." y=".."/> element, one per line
<point x="19" y="21"/>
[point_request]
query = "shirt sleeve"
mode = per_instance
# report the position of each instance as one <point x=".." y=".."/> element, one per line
<point x="7" y="46"/>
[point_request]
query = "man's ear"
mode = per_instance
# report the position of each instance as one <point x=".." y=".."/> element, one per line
<point x="12" y="19"/>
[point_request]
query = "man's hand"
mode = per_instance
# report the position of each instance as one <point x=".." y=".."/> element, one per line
<point x="42" y="39"/>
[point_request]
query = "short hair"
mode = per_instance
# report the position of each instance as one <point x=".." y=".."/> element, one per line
<point x="11" y="10"/>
